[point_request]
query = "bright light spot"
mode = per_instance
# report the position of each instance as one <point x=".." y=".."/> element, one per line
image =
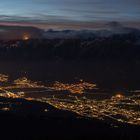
<point x="29" y="99"/>
<point x="118" y="96"/>
<point x="46" y="110"/>
<point x="21" y="94"/>
<point x="5" y="109"/>
<point x="26" y="37"/>
<point x="138" y="119"/>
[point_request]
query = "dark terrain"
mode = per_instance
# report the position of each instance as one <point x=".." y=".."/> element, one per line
<point x="111" y="62"/>
<point x="27" y="120"/>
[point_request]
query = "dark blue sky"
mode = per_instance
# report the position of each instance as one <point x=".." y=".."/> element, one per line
<point x="69" y="13"/>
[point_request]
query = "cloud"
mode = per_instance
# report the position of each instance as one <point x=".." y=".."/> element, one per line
<point x="63" y="14"/>
<point x="38" y="18"/>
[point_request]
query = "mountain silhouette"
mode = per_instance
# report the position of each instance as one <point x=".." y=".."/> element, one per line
<point x="114" y="24"/>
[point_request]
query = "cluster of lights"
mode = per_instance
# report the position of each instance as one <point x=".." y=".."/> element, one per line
<point x="117" y="108"/>
<point x="9" y="95"/>
<point x="3" y="78"/>
<point x="78" y="88"/>
<point x="26" y="83"/>
<point x="118" y="96"/>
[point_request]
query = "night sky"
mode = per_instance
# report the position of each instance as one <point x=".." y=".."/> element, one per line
<point x="69" y="13"/>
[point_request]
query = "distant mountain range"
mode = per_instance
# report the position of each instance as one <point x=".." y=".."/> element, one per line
<point x="108" y="29"/>
<point x="78" y="46"/>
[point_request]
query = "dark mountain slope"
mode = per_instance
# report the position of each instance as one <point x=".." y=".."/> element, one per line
<point x="27" y="120"/>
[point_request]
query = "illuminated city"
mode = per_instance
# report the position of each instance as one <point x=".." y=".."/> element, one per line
<point x="69" y="69"/>
<point x="119" y="108"/>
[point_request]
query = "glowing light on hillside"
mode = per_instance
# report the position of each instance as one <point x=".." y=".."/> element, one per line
<point x="26" y="37"/>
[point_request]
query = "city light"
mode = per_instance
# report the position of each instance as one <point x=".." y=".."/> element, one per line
<point x="119" y="108"/>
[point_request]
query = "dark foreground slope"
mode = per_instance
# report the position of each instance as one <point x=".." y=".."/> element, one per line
<point x="27" y="120"/>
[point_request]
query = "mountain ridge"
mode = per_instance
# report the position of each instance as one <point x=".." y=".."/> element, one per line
<point x="108" y="29"/>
